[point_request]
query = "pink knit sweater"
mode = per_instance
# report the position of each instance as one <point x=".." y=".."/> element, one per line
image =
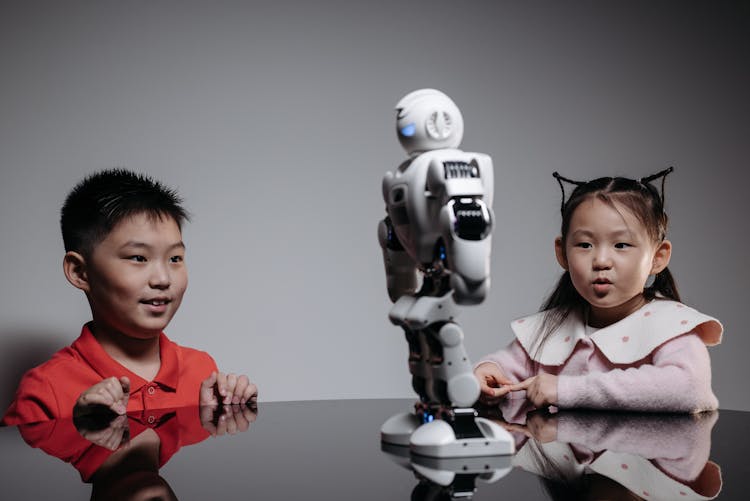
<point x="654" y="360"/>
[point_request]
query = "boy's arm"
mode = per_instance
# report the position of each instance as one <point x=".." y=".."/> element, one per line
<point x="35" y="401"/>
<point x="677" y="380"/>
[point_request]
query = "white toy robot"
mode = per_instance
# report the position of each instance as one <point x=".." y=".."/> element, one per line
<point x="436" y="242"/>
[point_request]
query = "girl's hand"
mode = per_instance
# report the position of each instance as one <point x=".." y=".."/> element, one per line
<point x="541" y="389"/>
<point x="493" y="383"/>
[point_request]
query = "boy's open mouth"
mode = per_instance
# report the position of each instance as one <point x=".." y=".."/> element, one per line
<point x="156" y="302"/>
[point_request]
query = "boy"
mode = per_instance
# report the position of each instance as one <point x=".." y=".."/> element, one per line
<point x="124" y="250"/>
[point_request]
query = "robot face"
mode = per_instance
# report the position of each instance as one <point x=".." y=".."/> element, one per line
<point x="427" y="120"/>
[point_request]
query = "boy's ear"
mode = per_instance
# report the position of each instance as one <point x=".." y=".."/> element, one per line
<point x="560" y="253"/>
<point x="74" y="267"/>
<point x="661" y="257"/>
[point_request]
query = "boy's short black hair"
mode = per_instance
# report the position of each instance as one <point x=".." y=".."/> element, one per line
<point x="96" y="204"/>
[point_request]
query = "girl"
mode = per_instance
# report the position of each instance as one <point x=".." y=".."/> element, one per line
<point x="604" y="338"/>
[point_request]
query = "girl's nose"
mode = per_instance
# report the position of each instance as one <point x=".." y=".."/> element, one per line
<point x="602" y="260"/>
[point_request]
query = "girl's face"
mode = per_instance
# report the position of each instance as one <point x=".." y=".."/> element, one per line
<point x="610" y="255"/>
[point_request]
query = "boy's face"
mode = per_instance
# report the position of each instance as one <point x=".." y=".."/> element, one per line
<point x="136" y="276"/>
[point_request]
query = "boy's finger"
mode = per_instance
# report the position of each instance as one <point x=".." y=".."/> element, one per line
<point x="231" y="422"/>
<point x="125" y="385"/>
<point x="221" y="382"/>
<point x="209" y="382"/>
<point x="207" y="389"/>
<point x="231" y="385"/>
<point x="248" y="414"/>
<point x="250" y="392"/>
<point x="240" y="389"/>
<point x="221" y="426"/>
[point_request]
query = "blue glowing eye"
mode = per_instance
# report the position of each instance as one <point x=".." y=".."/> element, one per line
<point x="408" y="130"/>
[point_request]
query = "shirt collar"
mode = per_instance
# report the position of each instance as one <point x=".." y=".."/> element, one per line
<point x="92" y="352"/>
<point x="627" y="341"/>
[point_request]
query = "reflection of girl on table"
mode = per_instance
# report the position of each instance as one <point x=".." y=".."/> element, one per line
<point x="621" y="456"/>
<point x="605" y="338"/>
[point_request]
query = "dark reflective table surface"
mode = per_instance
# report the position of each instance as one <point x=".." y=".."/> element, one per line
<point x="331" y="450"/>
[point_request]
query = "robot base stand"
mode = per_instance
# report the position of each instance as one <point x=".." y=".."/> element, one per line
<point x="466" y="435"/>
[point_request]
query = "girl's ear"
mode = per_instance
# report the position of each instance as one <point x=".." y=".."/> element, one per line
<point x="661" y="257"/>
<point x="560" y="253"/>
<point x="74" y="267"/>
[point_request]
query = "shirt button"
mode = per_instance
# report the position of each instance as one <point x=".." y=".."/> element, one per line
<point x="151" y="419"/>
<point x="151" y="390"/>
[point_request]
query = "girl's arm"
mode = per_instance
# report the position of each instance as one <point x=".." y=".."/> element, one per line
<point x="677" y="380"/>
<point x="512" y="361"/>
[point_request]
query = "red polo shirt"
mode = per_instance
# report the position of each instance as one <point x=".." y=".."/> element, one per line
<point x="50" y="390"/>
<point x="175" y="428"/>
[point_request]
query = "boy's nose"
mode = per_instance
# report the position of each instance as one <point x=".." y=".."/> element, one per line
<point x="159" y="278"/>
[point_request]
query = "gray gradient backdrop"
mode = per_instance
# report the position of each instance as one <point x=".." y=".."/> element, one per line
<point x="275" y="121"/>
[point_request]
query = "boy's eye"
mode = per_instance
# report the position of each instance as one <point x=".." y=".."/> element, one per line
<point x="584" y="245"/>
<point x="176" y="259"/>
<point x="622" y="245"/>
<point x="137" y="259"/>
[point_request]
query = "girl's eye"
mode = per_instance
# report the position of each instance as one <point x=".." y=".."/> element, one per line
<point x="137" y="259"/>
<point x="176" y="259"/>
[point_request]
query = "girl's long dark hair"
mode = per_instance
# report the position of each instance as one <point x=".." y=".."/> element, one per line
<point x="646" y="203"/>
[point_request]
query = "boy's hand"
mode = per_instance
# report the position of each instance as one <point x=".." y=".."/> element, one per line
<point x="111" y="393"/>
<point x="112" y="435"/>
<point x="227" y="419"/>
<point x="541" y="389"/>
<point x="227" y="389"/>
<point x="493" y="383"/>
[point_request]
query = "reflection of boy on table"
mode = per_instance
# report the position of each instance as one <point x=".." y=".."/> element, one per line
<point x="653" y="456"/>
<point x="119" y="453"/>
<point x="124" y="250"/>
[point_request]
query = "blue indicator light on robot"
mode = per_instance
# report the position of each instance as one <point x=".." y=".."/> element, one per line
<point x="408" y="130"/>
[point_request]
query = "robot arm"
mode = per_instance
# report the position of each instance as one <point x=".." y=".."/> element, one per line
<point x="464" y="188"/>
<point x="466" y="225"/>
<point x="400" y="268"/>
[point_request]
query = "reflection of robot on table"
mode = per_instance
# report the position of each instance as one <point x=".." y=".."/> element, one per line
<point x="436" y="242"/>
<point x="448" y="478"/>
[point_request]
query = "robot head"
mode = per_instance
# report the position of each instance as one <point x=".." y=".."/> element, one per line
<point x="426" y="120"/>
